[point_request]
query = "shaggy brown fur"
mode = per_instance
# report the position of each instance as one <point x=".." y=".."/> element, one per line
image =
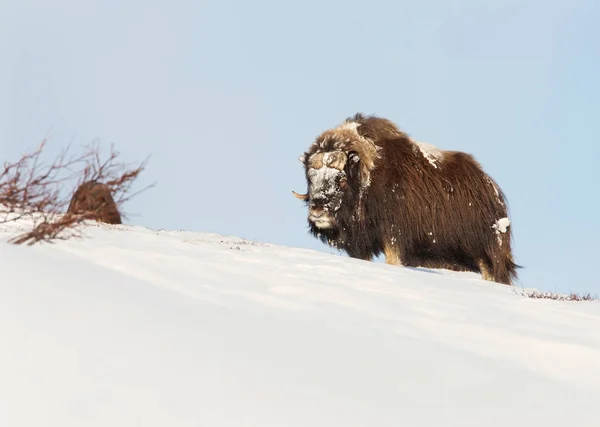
<point x="95" y="198"/>
<point x="379" y="191"/>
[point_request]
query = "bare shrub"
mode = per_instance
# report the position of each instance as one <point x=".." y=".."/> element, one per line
<point x="32" y="190"/>
<point x="93" y="196"/>
<point x="560" y="297"/>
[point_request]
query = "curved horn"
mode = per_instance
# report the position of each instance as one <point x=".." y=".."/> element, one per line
<point x="300" y="196"/>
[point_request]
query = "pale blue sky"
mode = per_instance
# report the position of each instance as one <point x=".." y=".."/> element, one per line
<point x="226" y="95"/>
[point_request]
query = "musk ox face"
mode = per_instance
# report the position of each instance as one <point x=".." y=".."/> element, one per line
<point x="327" y="175"/>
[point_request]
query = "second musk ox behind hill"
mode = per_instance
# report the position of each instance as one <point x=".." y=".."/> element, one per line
<point x="372" y="189"/>
<point x="94" y="200"/>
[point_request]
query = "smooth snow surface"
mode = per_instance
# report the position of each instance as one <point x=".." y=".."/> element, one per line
<point x="134" y="327"/>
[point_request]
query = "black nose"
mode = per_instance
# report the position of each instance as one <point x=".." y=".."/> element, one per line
<point x="317" y="203"/>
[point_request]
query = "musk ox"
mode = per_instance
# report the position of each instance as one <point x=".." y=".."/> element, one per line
<point x="95" y="199"/>
<point x="372" y="189"/>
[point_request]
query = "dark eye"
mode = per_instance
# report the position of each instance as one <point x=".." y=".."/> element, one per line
<point x="343" y="183"/>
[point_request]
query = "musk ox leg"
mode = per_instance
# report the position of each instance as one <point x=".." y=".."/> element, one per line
<point x="486" y="273"/>
<point x="505" y="269"/>
<point x="502" y="270"/>
<point x="392" y="253"/>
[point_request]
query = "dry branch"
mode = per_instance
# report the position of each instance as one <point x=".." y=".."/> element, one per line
<point x="32" y="190"/>
<point x="561" y="297"/>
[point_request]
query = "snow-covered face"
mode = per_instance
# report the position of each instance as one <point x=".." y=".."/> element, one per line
<point x="326" y="184"/>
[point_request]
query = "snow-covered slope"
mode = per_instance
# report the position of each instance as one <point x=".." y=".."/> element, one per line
<point x="134" y="327"/>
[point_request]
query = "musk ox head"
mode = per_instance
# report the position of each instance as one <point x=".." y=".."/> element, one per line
<point x="338" y="167"/>
<point x="95" y="200"/>
<point x="330" y="175"/>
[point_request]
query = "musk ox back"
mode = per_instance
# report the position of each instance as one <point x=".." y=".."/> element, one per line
<point x="95" y="199"/>
<point x="372" y="189"/>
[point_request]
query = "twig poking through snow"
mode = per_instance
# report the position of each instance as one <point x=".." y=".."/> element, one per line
<point x="560" y="297"/>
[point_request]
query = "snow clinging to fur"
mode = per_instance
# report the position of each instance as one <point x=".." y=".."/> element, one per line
<point x="496" y="191"/>
<point x="430" y="152"/>
<point x="323" y="180"/>
<point x="501" y="225"/>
